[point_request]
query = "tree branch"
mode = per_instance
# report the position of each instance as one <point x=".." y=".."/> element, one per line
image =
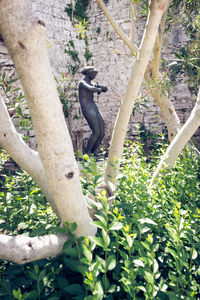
<point x="116" y="27"/>
<point x="22" y="154"/>
<point x="161" y="98"/>
<point x="180" y="140"/>
<point x="22" y="249"/>
<point x="158" y="46"/>
<point x="157" y="8"/>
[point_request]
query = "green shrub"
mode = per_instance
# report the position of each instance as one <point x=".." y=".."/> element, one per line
<point x="147" y="245"/>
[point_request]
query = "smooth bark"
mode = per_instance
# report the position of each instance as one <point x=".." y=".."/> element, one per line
<point x="157" y="8"/>
<point x="22" y="249"/>
<point x="24" y="36"/>
<point x="180" y="140"/>
<point x="170" y="116"/>
<point x="162" y="99"/>
<point x="22" y="154"/>
<point x="116" y="27"/>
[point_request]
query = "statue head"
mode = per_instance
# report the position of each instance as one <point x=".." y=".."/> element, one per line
<point x="89" y="71"/>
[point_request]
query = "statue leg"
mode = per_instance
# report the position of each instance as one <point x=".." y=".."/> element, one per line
<point x="96" y="133"/>
<point x="101" y="125"/>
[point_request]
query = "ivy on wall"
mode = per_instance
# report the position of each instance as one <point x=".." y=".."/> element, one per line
<point x="78" y="11"/>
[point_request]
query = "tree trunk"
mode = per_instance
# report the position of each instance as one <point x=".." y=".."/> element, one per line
<point x="169" y="114"/>
<point x="157" y="8"/>
<point x="180" y="140"/>
<point x="23" y="155"/>
<point x="23" y="249"/>
<point x="24" y="37"/>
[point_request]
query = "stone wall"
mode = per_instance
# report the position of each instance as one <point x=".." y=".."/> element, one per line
<point x="110" y="56"/>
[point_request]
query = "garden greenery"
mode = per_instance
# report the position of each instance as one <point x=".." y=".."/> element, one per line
<point x="147" y="245"/>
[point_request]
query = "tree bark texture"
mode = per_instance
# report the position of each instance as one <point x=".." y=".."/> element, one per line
<point x="24" y="36"/>
<point x="161" y="98"/>
<point x="180" y="141"/>
<point x="22" y="249"/>
<point x="157" y="8"/>
<point x="28" y="159"/>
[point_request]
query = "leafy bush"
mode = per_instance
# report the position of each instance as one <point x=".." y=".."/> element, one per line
<point x="147" y="245"/>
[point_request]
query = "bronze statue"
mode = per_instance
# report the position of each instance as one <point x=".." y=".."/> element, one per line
<point x="90" y="110"/>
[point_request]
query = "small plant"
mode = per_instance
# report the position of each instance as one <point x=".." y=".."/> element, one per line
<point x="87" y="54"/>
<point x="98" y="30"/>
<point x="77" y="9"/>
<point x="147" y="246"/>
<point x="81" y="28"/>
<point x="72" y="52"/>
<point x="16" y="103"/>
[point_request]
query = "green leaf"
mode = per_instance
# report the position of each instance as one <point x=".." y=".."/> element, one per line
<point x="32" y="275"/>
<point x="106" y="238"/>
<point x="42" y="275"/>
<point x="138" y="263"/>
<point x="115" y="225"/>
<point x="163" y="295"/>
<point x="97" y="240"/>
<point x="17" y="293"/>
<point x="74" y="265"/>
<point x="99" y="290"/>
<point x="75" y="289"/>
<point x="73" y="226"/>
<point x="99" y="224"/>
<point x="62" y="282"/>
<point x="67" y="244"/>
<point x="34" y="191"/>
<point x="146" y="245"/>
<point x="72" y="252"/>
<point x="101" y="217"/>
<point x="87" y="252"/>
<point x="148" y="221"/>
<point x="194" y="253"/>
<point x="172" y="252"/>
<point x="111" y="262"/>
<point x="156" y="267"/>
<point x="148" y="276"/>
<point x="93" y="204"/>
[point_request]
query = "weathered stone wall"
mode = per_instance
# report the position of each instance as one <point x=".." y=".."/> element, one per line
<point x="115" y="62"/>
<point x="110" y="56"/>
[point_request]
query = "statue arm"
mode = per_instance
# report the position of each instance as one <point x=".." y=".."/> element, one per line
<point x="89" y="87"/>
<point x="102" y="87"/>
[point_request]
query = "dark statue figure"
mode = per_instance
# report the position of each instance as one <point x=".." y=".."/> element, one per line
<point x="90" y="110"/>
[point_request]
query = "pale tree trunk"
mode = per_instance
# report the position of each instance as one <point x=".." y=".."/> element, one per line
<point x="161" y="98"/>
<point x="158" y="45"/>
<point x="133" y="18"/>
<point x="180" y="140"/>
<point x="153" y="76"/>
<point x="24" y="37"/>
<point x="157" y="8"/>
<point x="23" y="155"/>
<point x="170" y="116"/>
<point x="23" y="249"/>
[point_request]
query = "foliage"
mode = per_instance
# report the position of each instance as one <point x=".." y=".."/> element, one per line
<point x="78" y="10"/>
<point x="16" y="103"/>
<point x="147" y="245"/>
<point x="186" y="57"/>
<point x="66" y="91"/>
<point x="81" y="28"/>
